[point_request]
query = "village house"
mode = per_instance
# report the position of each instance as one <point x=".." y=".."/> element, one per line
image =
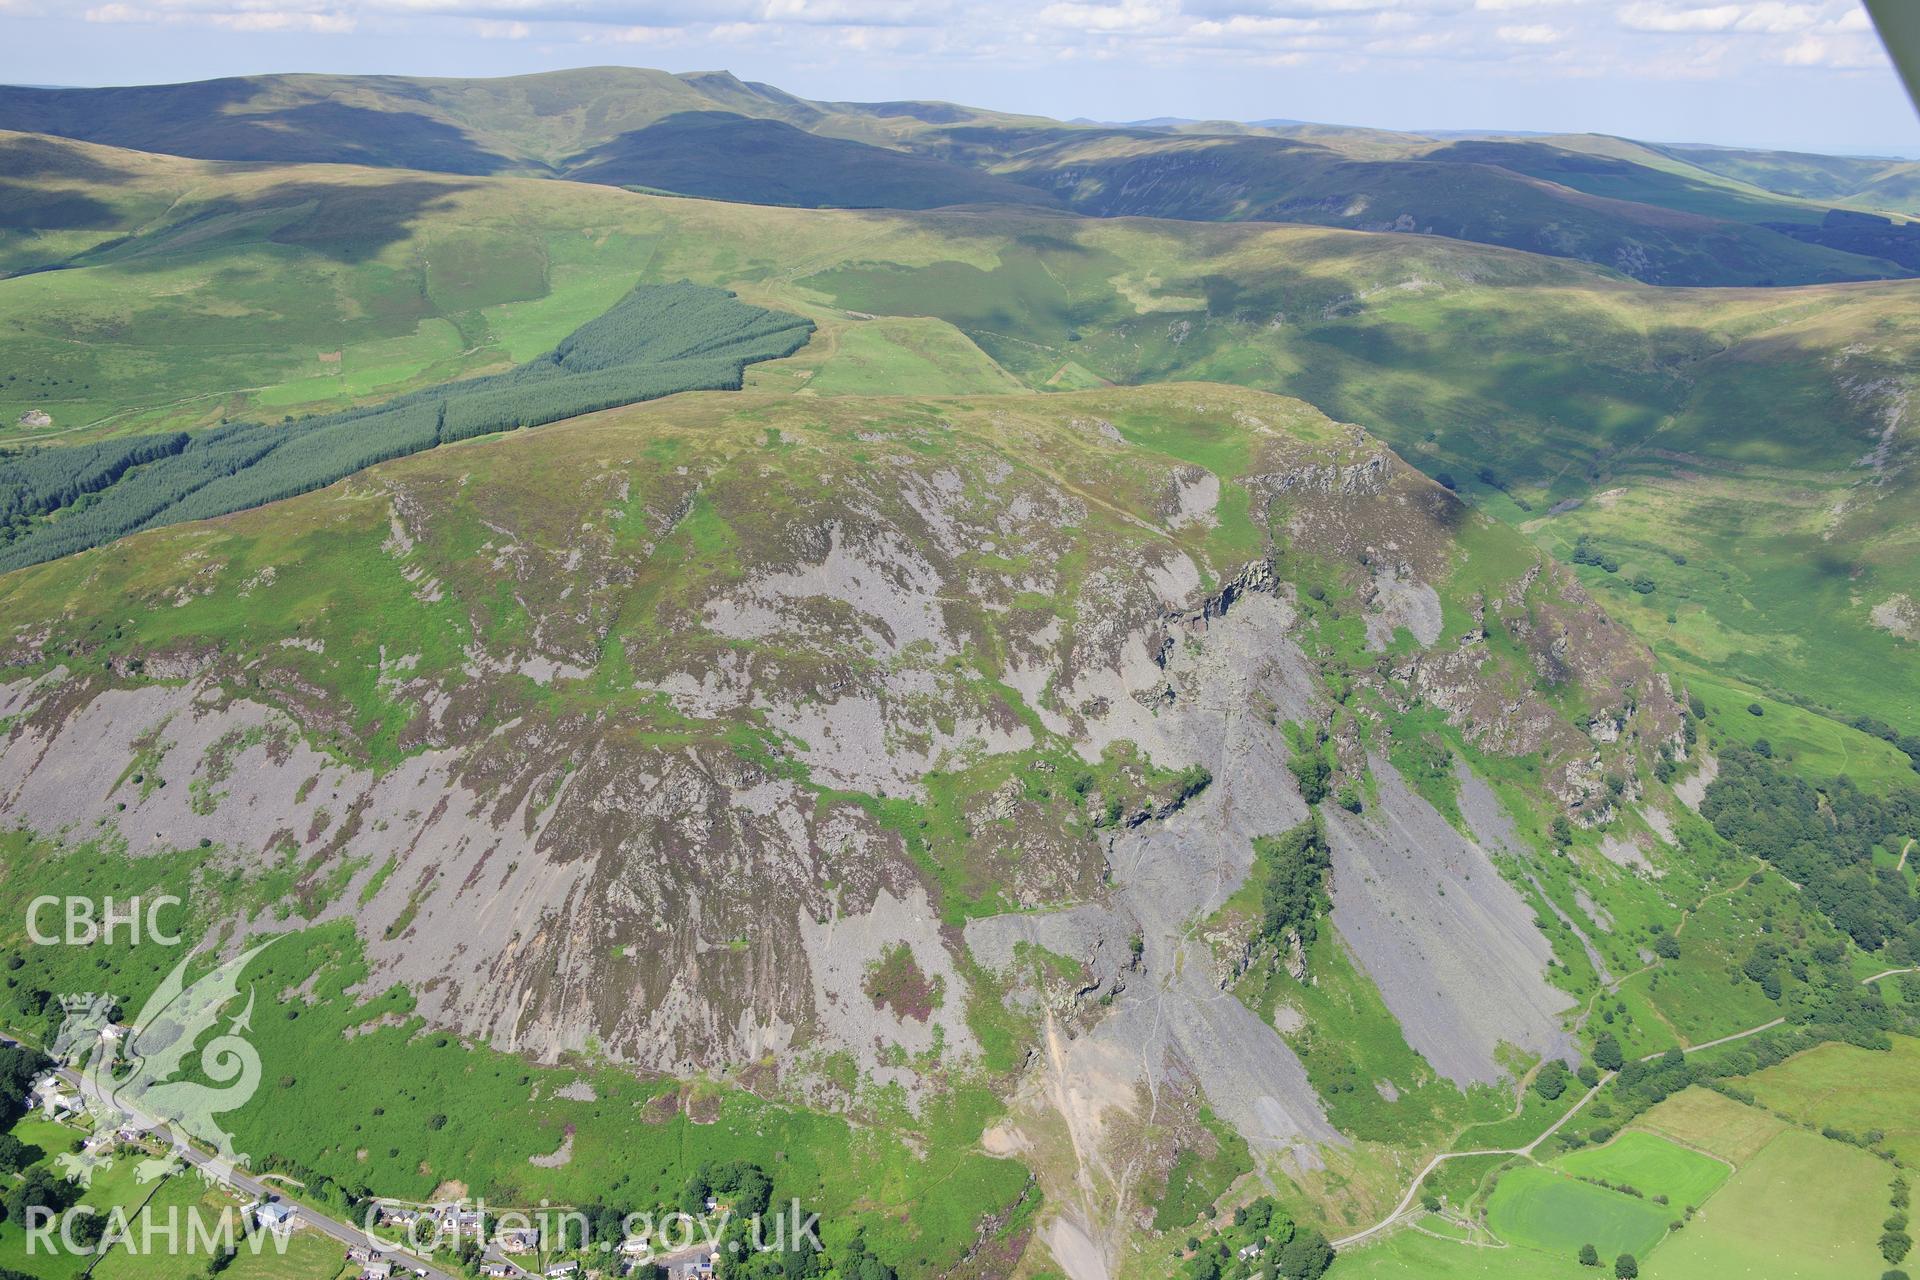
<point x="55" y="1101"/>
<point x="460" y="1220"/>
<point x="274" y="1215"/>
<point x="559" y="1269"/>
<point x="517" y="1239"/>
<point x="699" y="1267"/>
<point x="377" y="1269"/>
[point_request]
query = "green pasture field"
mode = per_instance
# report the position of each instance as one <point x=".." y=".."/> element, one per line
<point x="1803" y="1208"/>
<point x="1859" y="1091"/>
<point x="1538" y="1208"/>
<point x="1713" y="1122"/>
<point x="1652" y="1165"/>
<point x="1819" y="747"/>
<point x="303" y="1254"/>
<point x="113" y="1187"/>
<point x="158" y="1255"/>
<point x="1410" y="1253"/>
<point x="308" y="1256"/>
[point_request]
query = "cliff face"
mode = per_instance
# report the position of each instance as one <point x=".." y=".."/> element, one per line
<point x="725" y="734"/>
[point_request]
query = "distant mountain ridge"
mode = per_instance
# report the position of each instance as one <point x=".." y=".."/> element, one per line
<point x="1676" y="216"/>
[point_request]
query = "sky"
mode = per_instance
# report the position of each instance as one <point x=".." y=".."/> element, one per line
<point x="1802" y="76"/>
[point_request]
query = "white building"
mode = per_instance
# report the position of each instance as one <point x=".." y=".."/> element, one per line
<point x="275" y="1216"/>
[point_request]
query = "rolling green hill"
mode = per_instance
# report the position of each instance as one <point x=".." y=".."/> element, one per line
<point x="711" y="134"/>
<point x="705" y="134"/>
<point x="1877" y="183"/>
<point x="1743" y="450"/>
<point x="656" y="341"/>
<point x="1632" y="173"/>
<point x="1513" y="195"/>
<point x="723" y="156"/>
<point x="1002" y="769"/>
<point x="526" y="124"/>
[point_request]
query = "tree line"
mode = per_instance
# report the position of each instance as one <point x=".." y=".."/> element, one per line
<point x="656" y="341"/>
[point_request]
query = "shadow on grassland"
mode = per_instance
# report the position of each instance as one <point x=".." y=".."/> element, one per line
<point x="219" y="120"/>
<point x="348" y="223"/>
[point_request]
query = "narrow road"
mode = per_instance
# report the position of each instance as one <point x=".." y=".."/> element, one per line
<point x="1413" y="1188"/>
<point x="250" y="1184"/>
<point x="1738" y="1035"/>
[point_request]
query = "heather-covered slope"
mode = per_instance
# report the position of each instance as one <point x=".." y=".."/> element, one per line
<point x="788" y="694"/>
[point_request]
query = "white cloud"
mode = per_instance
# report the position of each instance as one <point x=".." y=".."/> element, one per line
<point x="1425" y="42"/>
<point x="1247" y="25"/>
<point x="1660" y="17"/>
<point x="1126" y="15"/>
<point x="861" y="13"/>
<point x="1775" y="19"/>
<point x="1536" y="33"/>
<point x="327" y="24"/>
<point x="635" y="35"/>
<point x="1808" y="51"/>
<point x="1291" y="8"/>
<point x="1843" y="53"/>
<point x="491" y="29"/>
<point x="1768" y="18"/>
<point x="236" y="17"/>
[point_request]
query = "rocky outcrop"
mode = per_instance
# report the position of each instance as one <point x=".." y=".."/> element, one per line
<point x="673" y="769"/>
